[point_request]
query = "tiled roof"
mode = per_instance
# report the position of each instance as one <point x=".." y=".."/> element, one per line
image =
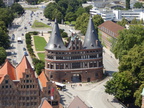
<point x="110" y="28"/>
<point x="20" y="69"/>
<point x="77" y="103"/>
<point x="43" y="79"/>
<point x="1" y="77"/>
<point x="44" y="103"/>
<point x="8" y="69"/>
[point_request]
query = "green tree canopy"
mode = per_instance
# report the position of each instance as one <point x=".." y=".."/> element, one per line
<point x="82" y="22"/>
<point x="121" y="85"/>
<point x="127" y="39"/>
<point x="6" y="15"/>
<point x="127" y="4"/>
<point x="138" y="95"/>
<point x="123" y="22"/>
<point x="134" y="62"/>
<point x="2" y="5"/>
<point x="138" y="5"/>
<point x="80" y="11"/>
<point x="2" y="55"/>
<point x="17" y="8"/>
<point x="4" y="40"/>
<point x="70" y="16"/>
<point x="130" y="78"/>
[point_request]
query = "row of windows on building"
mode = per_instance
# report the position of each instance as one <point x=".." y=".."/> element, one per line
<point x="76" y="52"/>
<point x="28" y="98"/>
<point x="75" y="57"/>
<point x="28" y="86"/>
<point x="74" y="65"/>
<point x="27" y="81"/>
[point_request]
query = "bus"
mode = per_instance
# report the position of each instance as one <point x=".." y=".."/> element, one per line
<point x="60" y="86"/>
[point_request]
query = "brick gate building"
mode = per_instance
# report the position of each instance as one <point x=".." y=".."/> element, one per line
<point x="76" y="62"/>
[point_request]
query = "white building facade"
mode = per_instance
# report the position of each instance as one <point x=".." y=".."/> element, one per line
<point x="8" y="2"/>
<point x="118" y="14"/>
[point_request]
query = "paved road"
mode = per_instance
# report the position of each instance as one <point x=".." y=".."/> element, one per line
<point x="93" y="94"/>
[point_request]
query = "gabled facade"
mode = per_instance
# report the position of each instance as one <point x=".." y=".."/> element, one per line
<point x="20" y="88"/>
<point x="78" y="61"/>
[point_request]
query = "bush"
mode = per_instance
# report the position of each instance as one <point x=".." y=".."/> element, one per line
<point x="64" y="35"/>
<point x="34" y="33"/>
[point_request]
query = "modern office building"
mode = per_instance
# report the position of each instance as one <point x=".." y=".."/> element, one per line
<point x="117" y="15"/>
<point x="8" y="2"/>
<point x="76" y="62"/>
<point x="20" y="88"/>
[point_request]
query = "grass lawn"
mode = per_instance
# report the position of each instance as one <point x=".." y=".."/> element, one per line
<point x="41" y="56"/>
<point x="40" y="43"/>
<point x="38" y="24"/>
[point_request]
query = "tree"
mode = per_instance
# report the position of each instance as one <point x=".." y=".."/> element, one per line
<point x="70" y="16"/>
<point x="4" y="39"/>
<point x="127" y="4"/>
<point x="138" y="5"/>
<point x="97" y="19"/>
<point x="134" y="21"/>
<point x="3" y="26"/>
<point x="58" y="15"/>
<point x="2" y="5"/>
<point x="80" y="11"/>
<point x="134" y="62"/>
<point x="6" y="15"/>
<point x="49" y="9"/>
<point x="64" y="35"/>
<point x="121" y="85"/>
<point x="127" y="39"/>
<point x="123" y="22"/>
<point x="87" y="9"/>
<point x="2" y="55"/>
<point x="39" y="65"/>
<point x="17" y="8"/>
<point x="138" y="95"/>
<point x="82" y="22"/>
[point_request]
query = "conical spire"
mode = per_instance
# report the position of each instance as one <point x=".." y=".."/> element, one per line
<point x="55" y="41"/>
<point x="91" y="38"/>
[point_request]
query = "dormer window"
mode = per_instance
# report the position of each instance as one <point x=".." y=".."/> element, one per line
<point x="55" y="45"/>
<point x="59" y="46"/>
<point x="92" y="45"/>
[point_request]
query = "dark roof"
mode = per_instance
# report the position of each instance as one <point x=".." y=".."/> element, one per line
<point x="55" y="41"/>
<point x="110" y="28"/>
<point x="91" y="38"/>
<point x="77" y="103"/>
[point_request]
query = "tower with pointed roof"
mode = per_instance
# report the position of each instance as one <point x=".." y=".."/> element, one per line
<point x="78" y="62"/>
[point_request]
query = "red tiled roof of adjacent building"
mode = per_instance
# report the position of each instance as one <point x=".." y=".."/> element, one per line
<point x="8" y="69"/>
<point x="20" y="69"/>
<point x="43" y="79"/>
<point x="77" y="103"/>
<point x="46" y="104"/>
<point x="110" y="28"/>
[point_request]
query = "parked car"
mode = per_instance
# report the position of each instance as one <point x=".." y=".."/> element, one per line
<point x="24" y="48"/>
<point x="48" y="23"/>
